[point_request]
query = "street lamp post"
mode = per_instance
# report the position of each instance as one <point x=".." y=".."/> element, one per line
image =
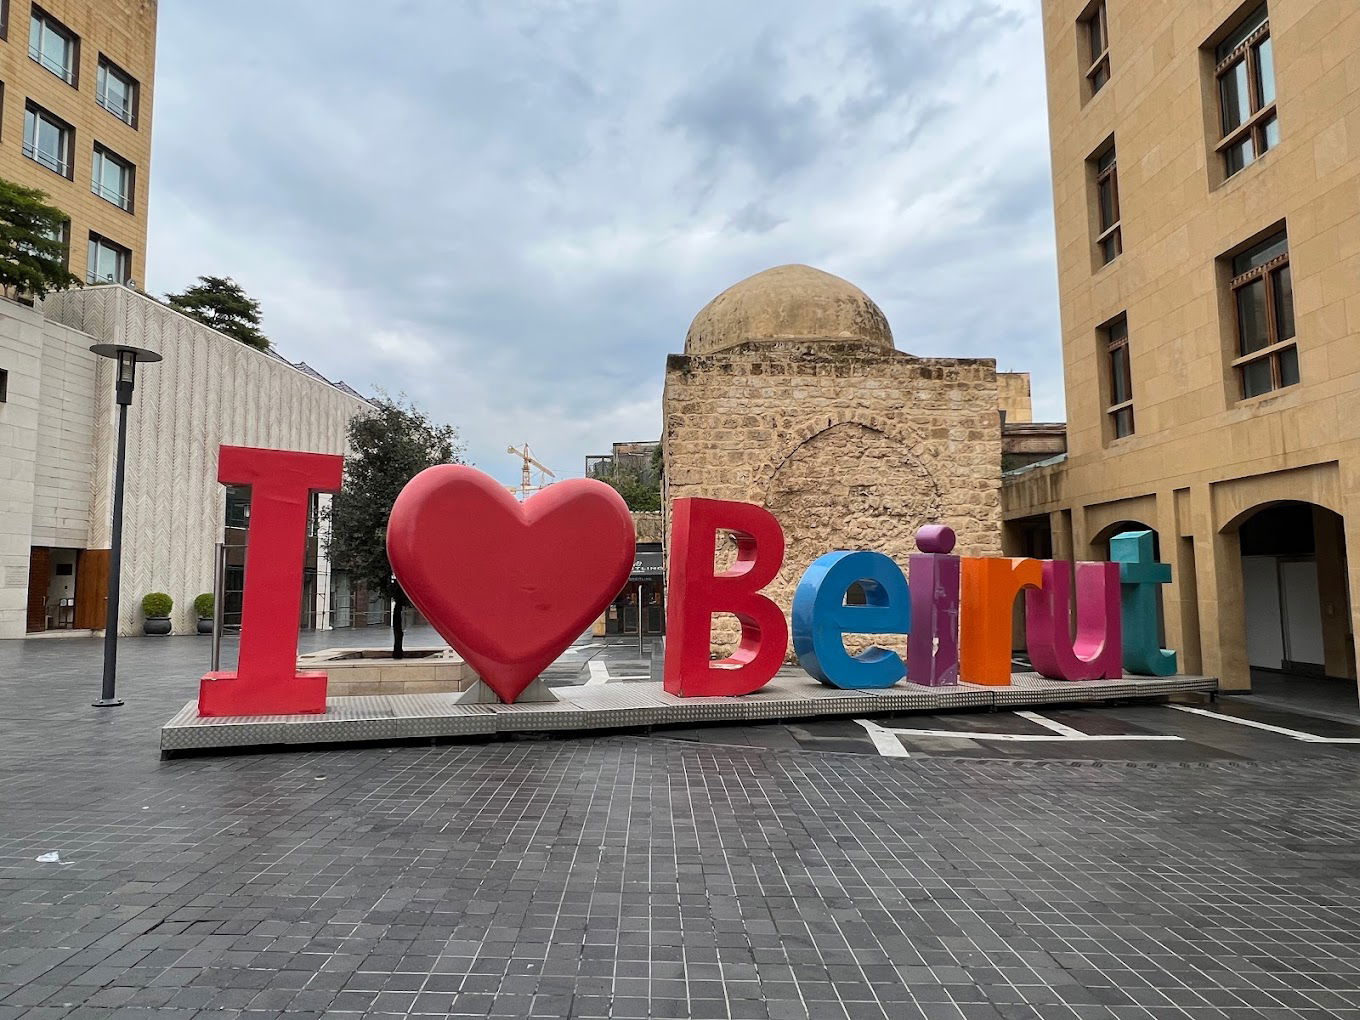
<point x="126" y="359"/>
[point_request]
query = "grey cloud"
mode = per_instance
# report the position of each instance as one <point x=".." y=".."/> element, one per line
<point x="735" y="110"/>
<point x="539" y="196"/>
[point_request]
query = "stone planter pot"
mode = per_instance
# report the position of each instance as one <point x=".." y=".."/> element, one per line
<point x="156" y="625"/>
<point x="205" y="626"/>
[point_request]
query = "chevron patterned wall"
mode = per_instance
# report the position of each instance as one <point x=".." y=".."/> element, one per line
<point x="208" y="390"/>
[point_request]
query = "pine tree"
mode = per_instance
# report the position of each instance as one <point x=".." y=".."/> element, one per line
<point x="219" y="302"/>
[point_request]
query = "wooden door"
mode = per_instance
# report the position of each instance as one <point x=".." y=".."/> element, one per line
<point x="92" y="588"/>
<point x="39" y="577"/>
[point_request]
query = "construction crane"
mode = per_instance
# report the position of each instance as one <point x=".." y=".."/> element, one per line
<point x="526" y="485"/>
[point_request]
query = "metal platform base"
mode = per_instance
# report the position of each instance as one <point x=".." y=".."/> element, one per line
<point x="631" y="705"/>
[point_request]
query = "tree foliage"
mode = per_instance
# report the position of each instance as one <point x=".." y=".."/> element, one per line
<point x="387" y="448"/>
<point x="220" y="302"/>
<point x="34" y="256"/>
<point x="636" y="479"/>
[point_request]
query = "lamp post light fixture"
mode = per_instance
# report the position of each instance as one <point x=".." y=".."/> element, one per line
<point x="125" y="377"/>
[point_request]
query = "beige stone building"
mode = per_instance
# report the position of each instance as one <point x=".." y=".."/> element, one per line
<point x="1206" y="181"/>
<point x="75" y="122"/>
<point x="791" y="394"/>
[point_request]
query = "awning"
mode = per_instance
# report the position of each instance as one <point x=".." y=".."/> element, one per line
<point x="648" y="563"/>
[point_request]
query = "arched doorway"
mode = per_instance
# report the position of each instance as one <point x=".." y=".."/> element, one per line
<point x="1296" y="604"/>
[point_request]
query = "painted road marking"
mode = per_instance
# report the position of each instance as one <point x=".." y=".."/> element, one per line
<point x="883" y="735"/>
<point x="1051" y="724"/>
<point x="1311" y="738"/>
<point x="887" y="744"/>
<point x="599" y="672"/>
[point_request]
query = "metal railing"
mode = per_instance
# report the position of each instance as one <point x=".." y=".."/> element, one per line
<point x="115" y="106"/>
<point x="66" y="74"/>
<point x="48" y="160"/>
<point x="123" y="200"/>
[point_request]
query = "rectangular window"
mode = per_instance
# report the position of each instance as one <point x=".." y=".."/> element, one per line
<point x="1109" y="239"/>
<point x="1095" y="27"/>
<point x="108" y="262"/>
<point x="1263" y="309"/>
<point x="1119" y="405"/>
<point x="62" y="235"/>
<point x="47" y="139"/>
<point x="1244" y="65"/>
<point x="53" y="45"/>
<point x="111" y="178"/>
<point x="116" y="91"/>
<point x="238" y="506"/>
<point x="4" y="385"/>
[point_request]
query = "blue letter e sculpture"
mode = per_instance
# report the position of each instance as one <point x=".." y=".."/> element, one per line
<point x="821" y="619"/>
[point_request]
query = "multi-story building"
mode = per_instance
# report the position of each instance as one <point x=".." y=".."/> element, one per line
<point x="1206" y="181"/>
<point x="75" y="122"/>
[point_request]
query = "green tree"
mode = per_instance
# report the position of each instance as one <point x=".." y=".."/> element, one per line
<point x="388" y="447"/>
<point x="34" y="256"/>
<point x="219" y="302"/>
<point x="637" y="480"/>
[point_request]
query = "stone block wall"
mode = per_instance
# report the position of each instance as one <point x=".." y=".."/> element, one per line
<point x="849" y="448"/>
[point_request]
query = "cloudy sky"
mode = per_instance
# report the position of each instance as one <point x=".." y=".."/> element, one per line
<point x="510" y="210"/>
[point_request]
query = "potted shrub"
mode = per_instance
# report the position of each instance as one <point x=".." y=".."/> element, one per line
<point x="156" y="608"/>
<point x="203" y="609"/>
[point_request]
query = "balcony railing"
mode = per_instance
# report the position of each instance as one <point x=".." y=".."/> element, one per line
<point x="66" y="74"/>
<point x="54" y="163"/>
<point x="116" y="106"/>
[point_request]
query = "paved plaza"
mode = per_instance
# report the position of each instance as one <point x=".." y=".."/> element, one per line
<point x="982" y="865"/>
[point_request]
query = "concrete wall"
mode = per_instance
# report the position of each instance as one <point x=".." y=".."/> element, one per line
<point x="21" y="349"/>
<point x="1202" y="459"/>
<point x="63" y="481"/>
<point x="58" y="436"/>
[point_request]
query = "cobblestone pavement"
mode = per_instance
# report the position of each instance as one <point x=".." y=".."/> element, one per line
<point x="738" y="872"/>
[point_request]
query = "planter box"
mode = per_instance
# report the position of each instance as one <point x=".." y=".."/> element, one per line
<point x="365" y="671"/>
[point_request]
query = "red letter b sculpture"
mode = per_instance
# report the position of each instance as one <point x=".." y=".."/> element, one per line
<point x="695" y="593"/>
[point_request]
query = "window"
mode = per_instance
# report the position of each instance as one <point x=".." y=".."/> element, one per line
<point x="1109" y="240"/>
<point x="1095" y="25"/>
<point x="111" y="178"/>
<point x="4" y="19"/>
<point x="53" y="45"/>
<point x="1244" y="65"/>
<point x="1263" y="308"/>
<point x="238" y="506"/>
<point x="4" y="385"/>
<point x="47" y="139"/>
<point x="62" y="235"/>
<point x="108" y="262"/>
<point x="1114" y="338"/>
<point x="116" y="91"/>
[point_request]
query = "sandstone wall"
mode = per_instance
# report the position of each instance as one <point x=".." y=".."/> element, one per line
<point x="849" y="448"/>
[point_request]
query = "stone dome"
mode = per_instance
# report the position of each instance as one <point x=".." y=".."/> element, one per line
<point x="789" y="303"/>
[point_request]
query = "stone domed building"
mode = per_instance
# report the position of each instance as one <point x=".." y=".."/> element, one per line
<point x="791" y="394"/>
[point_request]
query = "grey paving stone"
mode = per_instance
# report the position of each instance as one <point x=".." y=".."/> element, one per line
<point x="723" y="875"/>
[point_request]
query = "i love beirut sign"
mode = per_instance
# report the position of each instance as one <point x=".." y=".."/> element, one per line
<point x="510" y="585"/>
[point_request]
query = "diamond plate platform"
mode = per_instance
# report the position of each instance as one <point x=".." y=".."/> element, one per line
<point x="632" y="705"/>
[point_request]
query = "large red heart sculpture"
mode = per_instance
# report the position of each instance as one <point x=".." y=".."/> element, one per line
<point x="509" y="585"/>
